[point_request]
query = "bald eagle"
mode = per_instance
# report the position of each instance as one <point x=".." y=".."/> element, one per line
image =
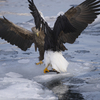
<point x="50" y="42"/>
<point x="67" y="28"/>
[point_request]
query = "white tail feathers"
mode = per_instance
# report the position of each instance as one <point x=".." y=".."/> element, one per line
<point x="57" y="61"/>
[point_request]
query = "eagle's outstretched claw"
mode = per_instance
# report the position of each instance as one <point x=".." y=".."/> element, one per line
<point x="40" y="62"/>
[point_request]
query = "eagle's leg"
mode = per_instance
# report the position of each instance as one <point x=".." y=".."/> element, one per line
<point x="46" y="69"/>
<point x="40" y="62"/>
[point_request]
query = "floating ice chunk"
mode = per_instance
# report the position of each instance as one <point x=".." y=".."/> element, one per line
<point x="79" y="68"/>
<point x="87" y="64"/>
<point x="60" y="13"/>
<point x="4" y="64"/>
<point x="97" y="21"/>
<point x="91" y="95"/>
<point x="98" y="85"/>
<point x="24" y="61"/>
<point x="14" y="75"/>
<point x="86" y="68"/>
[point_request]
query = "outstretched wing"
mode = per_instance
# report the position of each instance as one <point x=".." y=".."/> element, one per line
<point x="80" y="17"/>
<point x="37" y="17"/>
<point x="15" y="34"/>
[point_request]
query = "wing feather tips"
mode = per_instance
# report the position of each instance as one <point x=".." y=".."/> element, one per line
<point x="35" y="14"/>
<point x="94" y="3"/>
<point x="89" y="11"/>
<point x="87" y="2"/>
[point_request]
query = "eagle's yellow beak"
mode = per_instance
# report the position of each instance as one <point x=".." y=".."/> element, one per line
<point x="37" y="33"/>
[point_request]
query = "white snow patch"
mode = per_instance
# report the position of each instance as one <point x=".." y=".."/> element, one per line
<point x="24" y="61"/>
<point x="20" y="88"/>
<point x="51" y="77"/>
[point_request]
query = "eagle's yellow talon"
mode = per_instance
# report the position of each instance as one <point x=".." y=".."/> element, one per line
<point x="39" y="63"/>
<point x="46" y="70"/>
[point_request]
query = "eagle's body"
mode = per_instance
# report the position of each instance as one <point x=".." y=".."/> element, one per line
<point x="50" y="41"/>
<point x="53" y="49"/>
